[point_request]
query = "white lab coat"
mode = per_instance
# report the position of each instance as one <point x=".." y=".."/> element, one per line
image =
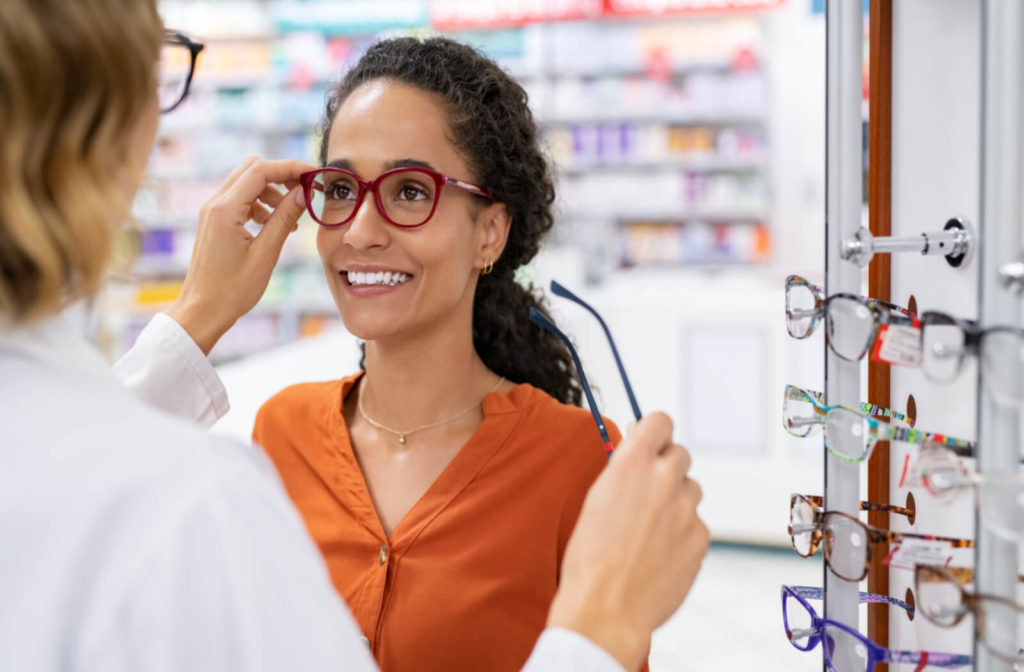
<point x="130" y="540"/>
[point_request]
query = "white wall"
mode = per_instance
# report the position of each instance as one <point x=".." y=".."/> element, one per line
<point x="936" y="102"/>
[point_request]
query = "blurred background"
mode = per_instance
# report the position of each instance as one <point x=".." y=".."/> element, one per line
<point x="688" y="140"/>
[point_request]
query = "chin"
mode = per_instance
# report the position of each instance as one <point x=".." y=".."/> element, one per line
<point x="368" y="327"/>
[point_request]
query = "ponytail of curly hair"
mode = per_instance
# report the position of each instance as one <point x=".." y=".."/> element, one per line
<point x="491" y="124"/>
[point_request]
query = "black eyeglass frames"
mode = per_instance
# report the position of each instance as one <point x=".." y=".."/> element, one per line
<point x="175" y="69"/>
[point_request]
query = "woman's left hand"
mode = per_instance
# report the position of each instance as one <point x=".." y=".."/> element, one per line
<point x="231" y="268"/>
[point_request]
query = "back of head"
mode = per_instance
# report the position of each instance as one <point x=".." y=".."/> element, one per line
<point x="75" y="75"/>
<point x="491" y="124"/>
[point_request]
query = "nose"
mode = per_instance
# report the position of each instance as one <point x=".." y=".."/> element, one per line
<point x="368" y="229"/>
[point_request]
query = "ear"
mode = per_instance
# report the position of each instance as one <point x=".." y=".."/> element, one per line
<point x="494" y="224"/>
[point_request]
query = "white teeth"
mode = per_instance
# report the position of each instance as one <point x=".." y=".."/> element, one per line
<point x="378" y="278"/>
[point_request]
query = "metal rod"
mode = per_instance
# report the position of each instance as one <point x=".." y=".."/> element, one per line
<point x="844" y="171"/>
<point x="1001" y="209"/>
<point x="956" y="242"/>
<point x="906" y="244"/>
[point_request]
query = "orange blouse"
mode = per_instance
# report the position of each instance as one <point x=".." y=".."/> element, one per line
<point x="466" y="579"/>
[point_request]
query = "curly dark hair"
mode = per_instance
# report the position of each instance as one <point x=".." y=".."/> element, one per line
<point x="492" y="126"/>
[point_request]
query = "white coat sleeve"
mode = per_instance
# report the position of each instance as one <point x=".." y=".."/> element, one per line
<point x="559" y="649"/>
<point x="229" y="580"/>
<point x="166" y="369"/>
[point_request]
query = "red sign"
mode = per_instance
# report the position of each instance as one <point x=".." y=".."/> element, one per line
<point x="469" y="14"/>
<point x="649" y="8"/>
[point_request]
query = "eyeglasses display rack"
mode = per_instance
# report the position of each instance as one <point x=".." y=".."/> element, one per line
<point x="951" y="150"/>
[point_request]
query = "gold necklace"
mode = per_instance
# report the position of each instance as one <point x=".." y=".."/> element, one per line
<point x="400" y="434"/>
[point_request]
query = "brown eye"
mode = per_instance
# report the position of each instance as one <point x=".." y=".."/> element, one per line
<point x="412" y="192"/>
<point x="339" y="191"/>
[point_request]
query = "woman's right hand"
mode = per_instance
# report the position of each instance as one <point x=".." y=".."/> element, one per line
<point x="637" y="546"/>
<point x="230" y="268"/>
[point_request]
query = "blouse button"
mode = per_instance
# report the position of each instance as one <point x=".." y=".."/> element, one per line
<point x="383" y="554"/>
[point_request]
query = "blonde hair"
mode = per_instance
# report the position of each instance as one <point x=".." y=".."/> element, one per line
<point x="75" y="77"/>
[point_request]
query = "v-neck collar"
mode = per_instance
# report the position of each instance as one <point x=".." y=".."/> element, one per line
<point x="501" y="415"/>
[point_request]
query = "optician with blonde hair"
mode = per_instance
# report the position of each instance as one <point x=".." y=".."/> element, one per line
<point x="133" y="540"/>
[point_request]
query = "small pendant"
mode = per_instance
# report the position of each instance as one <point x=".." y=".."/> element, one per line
<point x="401" y="438"/>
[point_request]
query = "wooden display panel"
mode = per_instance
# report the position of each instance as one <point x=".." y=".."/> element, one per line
<point x="879" y="276"/>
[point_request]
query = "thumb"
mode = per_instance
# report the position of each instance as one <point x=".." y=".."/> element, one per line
<point x="281" y="222"/>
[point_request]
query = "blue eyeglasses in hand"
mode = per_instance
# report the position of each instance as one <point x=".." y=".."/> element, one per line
<point x="545" y="322"/>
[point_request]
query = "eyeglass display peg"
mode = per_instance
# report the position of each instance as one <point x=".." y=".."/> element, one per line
<point x="1012" y="276"/>
<point x="956" y="242"/>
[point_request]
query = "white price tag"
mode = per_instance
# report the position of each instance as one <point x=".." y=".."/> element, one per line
<point x="898" y="344"/>
<point x="912" y="552"/>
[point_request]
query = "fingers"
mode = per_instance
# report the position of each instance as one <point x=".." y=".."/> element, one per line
<point x="259" y="213"/>
<point x="281" y="222"/>
<point x="683" y="494"/>
<point x="254" y="179"/>
<point x="692" y="492"/>
<point x="235" y="174"/>
<point x="675" y="461"/>
<point x="271" y="196"/>
<point x="689" y="531"/>
<point x="649" y="435"/>
<point x="261" y="210"/>
<point x="699" y="538"/>
<point x="249" y="193"/>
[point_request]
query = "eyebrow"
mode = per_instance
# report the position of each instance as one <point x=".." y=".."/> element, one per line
<point x="345" y="164"/>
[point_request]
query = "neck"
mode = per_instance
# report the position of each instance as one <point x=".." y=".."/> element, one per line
<point x="421" y="379"/>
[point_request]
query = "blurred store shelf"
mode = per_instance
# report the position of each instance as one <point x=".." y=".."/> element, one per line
<point x="660" y="139"/>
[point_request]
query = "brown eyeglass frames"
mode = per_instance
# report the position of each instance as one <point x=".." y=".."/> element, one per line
<point x="848" y="541"/>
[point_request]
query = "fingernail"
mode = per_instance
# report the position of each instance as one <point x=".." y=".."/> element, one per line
<point x="300" y="198"/>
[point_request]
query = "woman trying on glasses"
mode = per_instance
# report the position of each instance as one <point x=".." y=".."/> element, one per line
<point x="441" y="483"/>
<point x="132" y="541"/>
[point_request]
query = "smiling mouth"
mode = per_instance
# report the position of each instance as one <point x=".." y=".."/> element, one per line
<point x="378" y="279"/>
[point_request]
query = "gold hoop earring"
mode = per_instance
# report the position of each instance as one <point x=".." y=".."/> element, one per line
<point x="486" y="270"/>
